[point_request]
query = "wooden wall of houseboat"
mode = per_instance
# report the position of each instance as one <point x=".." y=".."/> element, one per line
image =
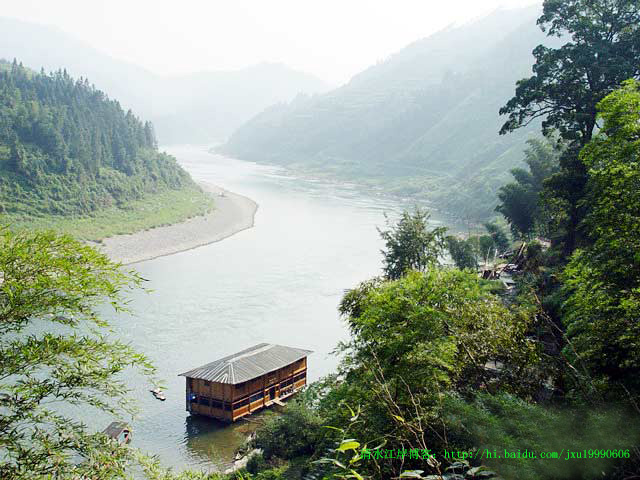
<point x="222" y="392"/>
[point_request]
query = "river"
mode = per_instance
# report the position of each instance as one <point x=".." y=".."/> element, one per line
<point x="278" y="282"/>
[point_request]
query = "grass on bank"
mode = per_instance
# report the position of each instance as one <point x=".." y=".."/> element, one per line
<point x="154" y="210"/>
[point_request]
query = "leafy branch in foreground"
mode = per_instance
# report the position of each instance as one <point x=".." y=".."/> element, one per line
<point x="55" y="353"/>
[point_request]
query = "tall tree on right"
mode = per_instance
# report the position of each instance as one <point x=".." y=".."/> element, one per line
<point x="602" y="281"/>
<point x="568" y="82"/>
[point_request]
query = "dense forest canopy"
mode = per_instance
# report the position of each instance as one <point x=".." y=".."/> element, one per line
<point x="66" y="148"/>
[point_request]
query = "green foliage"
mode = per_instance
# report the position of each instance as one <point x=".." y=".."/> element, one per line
<point x="410" y="244"/>
<point x="603" y="279"/>
<point x="500" y="239"/>
<point x="66" y="149"/>
<point x="467" y="253"/>
<point x="434" y="330"/>
<point x="256" y="463"/>
<point x="297" y="432"/>
<point x="521" y="202"/>
<point x="568" y="83"/>
<point x="462" y="252"/>
<point x="55" y="350"/>
<point x="504" y="422"/>
<point x="413" y="342"/>
<point x="153" y="210"/>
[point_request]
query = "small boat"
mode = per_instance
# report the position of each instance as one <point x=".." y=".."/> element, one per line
<point x="158" y="394"/>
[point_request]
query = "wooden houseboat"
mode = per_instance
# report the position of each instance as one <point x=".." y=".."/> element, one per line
<point x="247" y="381"/>
<point x="119" y="431"/>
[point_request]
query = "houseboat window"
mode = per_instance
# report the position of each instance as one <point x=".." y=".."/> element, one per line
<point x="299" y="376"/>
<point x="204" y="401"/>
<point x="286" y="383"/>
<point x="256" y="397"/>
<point x="216" y="403"/>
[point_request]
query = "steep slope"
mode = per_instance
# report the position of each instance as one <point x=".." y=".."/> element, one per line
<point x="423" y="122"/>
<point x="68" y="151"/>
<point x="201" y="107"/>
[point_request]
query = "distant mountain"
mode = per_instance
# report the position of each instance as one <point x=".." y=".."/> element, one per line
<point x="209" y="106"/>
<point x="198" y="108"/>
<point x="424" y="122"/>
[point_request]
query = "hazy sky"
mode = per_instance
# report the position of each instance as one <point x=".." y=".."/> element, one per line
<point x="333" y="39"/>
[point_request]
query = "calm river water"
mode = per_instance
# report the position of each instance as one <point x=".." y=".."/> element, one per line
<point x="278" y="282"/>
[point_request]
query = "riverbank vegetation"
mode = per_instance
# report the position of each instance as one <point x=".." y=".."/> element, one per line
<point x="440" y="360"/>
<point x="71" y="158"/>
<point x="153" y="210"/>
<point x="443" y="371"/>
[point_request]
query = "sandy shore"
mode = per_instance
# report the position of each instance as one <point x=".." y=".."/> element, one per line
<point x="233" y="213"/>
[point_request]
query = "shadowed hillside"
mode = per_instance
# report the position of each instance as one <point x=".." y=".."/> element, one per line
<point x="424" y="122"/>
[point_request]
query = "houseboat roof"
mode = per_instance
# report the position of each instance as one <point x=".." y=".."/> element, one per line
<point x="115" y="429"/>
<point x="248" y="364"/>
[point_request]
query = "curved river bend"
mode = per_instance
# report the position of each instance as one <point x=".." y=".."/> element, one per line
<point x="278" y="282"/>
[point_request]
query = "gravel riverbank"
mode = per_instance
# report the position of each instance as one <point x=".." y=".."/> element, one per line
<point x="232" y="214"/>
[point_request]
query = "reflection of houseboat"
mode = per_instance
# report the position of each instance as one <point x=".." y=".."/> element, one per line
<point x="118" y="431"/>
<point x="244" y="382"/>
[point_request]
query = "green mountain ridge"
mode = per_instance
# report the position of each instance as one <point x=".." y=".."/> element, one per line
<point x="68" y="151"/>
<point x="424" y="122"/>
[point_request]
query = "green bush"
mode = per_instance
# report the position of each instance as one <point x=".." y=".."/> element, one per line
<point x="296" y="432"/>
<point x="256" y="463"/>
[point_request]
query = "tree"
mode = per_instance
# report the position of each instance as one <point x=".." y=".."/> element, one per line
<point x="602" y="309"/>
<point x="500" y="239"/>
<point x="462" y="252"/>
<point x="74" y="150"/>
<point x="298" y="431"/>
<point x="520" y="201"/>
<point x="413" y="342"/>
<point x="568" y="83"/>
<point x="410" y="244"/>
<point x="17" y="158"/>
<point x="54" y="349"/>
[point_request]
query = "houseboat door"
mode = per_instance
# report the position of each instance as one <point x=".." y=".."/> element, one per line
<point x="272" y="393"/>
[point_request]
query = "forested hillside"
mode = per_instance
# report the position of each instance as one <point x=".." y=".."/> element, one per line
<point x="66" y="149"/>
<point x="194" y="108"/>
<point x="423" y="122"/>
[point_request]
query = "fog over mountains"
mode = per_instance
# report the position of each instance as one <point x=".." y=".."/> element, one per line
<point x="425" y="121"/>
<point x="196" y="108"/>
